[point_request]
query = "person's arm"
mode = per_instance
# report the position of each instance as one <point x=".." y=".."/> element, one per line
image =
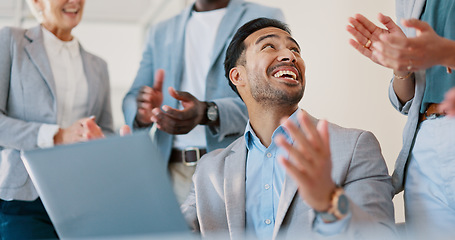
<point x="189" y="210"/>
<point x="368" y="186"/>
<point x="144" y="77"/>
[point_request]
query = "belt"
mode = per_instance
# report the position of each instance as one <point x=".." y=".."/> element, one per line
<point x="189" y="156"/>
<point x="432" y="112"/>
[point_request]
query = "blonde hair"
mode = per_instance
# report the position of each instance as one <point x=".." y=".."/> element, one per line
<point x="38" y="14"/>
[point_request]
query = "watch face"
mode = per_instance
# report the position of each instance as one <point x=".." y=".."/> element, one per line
<point x="343" y="204"/>
<point x="212" y="113"/>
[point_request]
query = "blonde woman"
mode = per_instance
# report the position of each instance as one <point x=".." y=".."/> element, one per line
<point x="51" y="92"/>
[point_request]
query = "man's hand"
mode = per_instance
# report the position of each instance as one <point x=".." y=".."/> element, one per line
<point x="309" y="162"/>
<point x="149" y="98"/>
<point x="176" y="121"/>
<point x="82" y="130"/>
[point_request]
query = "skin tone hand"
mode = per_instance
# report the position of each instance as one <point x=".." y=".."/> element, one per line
<point x="125" y="130"/>
<point x="148" y="99"/>
<point x="309" y="162"/>
<point x="176" y="121"/>
<point x="363" y="30"/>
<point x="425" y="50"/>
<point x="448" y="105"/>
<point x="82" y="130"/>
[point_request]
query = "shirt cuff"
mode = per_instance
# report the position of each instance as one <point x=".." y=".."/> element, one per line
<point x="333" y="228"/>
<point x="46" y="135"/>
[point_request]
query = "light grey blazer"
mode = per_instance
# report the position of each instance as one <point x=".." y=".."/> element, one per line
<point x="406" y="9"/>
<point x="165" y="50"/>
<point x="217" y="200"/>
<point x="27" y="100"/>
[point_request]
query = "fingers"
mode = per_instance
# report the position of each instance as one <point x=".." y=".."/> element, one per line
<point x="367" y="24"/>
<point x="125" y="130"/>
<point x="420" y="26"/>
<point x="91" y="130"/>
<point x="171" y="125"/>
<point x="389" y="23"/>
<point x="145" y="94"/>
<point x="159" y="79"/>
<point x="296" y="173"/>
<point x="310" y="131"/>
<point x="359" y="31"/>
<point x="180" y="95"/>
<point x="311" y="149"/>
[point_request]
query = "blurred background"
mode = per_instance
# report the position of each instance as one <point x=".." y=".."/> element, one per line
<point x="342" y="86"/>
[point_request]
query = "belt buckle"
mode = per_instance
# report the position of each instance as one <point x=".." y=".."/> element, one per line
<point x="189" y="149"/>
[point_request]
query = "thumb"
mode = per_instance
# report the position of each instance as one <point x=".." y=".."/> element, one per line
<point x="420" y="26"/>
<point x="158" y="81"/>
<point x="180" y="95"/>
<point x="125" y="130"/>
<point x="388" y="22"/>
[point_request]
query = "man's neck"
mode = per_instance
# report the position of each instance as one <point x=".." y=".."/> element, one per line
<point x="265" y="120"/>
<point x="209" y="5"/>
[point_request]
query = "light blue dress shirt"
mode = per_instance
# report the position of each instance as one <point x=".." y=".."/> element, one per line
<point x="264" y="181"/>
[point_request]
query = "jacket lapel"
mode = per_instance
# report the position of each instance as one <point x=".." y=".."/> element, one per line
<point x="286" y="198"/>
<point x="38" y="55"/>
<point x="93" y="79"/>
<point x="179" y="42"/>
<point x="234" y="190"/>
<point x="227" y="27"/>
<point x="416" y="8"/>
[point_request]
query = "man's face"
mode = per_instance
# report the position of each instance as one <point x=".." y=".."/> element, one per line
<point x="274" y="68"/>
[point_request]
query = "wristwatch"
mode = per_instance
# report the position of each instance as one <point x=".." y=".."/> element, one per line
<point x="339" y="207"/>
<point x="212" y="113"/>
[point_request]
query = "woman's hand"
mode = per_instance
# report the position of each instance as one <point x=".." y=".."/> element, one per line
<point x="366" y="34"/>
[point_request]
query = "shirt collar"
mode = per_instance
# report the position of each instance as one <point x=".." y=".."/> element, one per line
<point x="55" y="45"/>
<point x="251" y="138"/>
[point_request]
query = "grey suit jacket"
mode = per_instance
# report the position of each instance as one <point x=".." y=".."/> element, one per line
<point x="165" y="50"/>
<point x="27" y="100"/>
<point x="406" y="9"/>
<point x="217" y="200"/>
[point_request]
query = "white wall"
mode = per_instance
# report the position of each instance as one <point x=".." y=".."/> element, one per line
<point x="342" y="86"/>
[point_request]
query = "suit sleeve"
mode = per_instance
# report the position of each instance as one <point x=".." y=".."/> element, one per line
<point x="189" y="210"/>
<point x="369" y="189"/>
<point x="144" y="77"/>
<point x="14" y="133"/>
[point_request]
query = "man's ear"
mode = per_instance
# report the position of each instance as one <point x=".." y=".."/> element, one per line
<point x="237" y="75"/>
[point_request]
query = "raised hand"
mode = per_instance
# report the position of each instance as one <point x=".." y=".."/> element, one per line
<point x="309" y="162"/>
<point x="418" y="53"/>
<point x="176" y="121"/>
<point x="366" y="33"/>
<point x="149" y="98"/>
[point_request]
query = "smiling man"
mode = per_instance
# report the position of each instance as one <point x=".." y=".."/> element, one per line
<point x="289" y="175"/>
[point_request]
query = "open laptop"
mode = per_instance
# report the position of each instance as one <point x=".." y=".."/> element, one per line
<point x="116" y="187"/>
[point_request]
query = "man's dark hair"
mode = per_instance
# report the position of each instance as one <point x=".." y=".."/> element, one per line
<point x="237" y="45"/>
